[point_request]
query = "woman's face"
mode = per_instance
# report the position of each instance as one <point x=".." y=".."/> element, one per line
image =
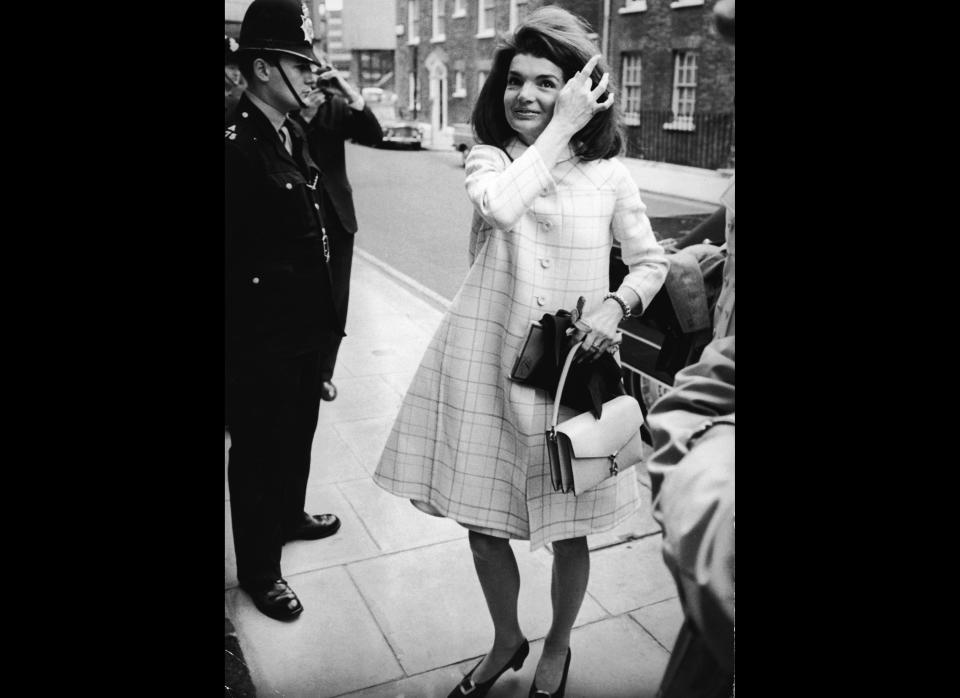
<point x="532" y="88"/>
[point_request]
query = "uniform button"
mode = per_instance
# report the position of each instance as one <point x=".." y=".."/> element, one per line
<point x="256" y="279"/>
<point x="316" y="206"/>
<point x="289" y="186"/>
<point x="545" y="263"/>
<point x="541" y="300"/>
<point x="244" y="115"/>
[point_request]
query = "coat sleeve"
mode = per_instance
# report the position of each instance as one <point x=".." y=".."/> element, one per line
<point x="503" y="192"/>
<point x="703" y="394"/>
<point x="646" y="263"/>
<point x="693" y="473"/>
<point x="362" y="125"/>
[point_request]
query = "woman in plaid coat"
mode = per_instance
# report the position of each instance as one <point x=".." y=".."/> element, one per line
<point x="549" y="198"/>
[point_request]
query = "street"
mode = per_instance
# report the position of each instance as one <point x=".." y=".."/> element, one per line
<point x="413" y="212"/>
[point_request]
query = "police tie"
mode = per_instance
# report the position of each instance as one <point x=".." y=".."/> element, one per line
<point x="285" y="139"/>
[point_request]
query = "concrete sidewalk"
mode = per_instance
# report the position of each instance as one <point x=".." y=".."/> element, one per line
<point x="392" y="604"/>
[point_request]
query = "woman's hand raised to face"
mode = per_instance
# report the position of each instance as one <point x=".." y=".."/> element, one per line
<point x="577" y="102"/>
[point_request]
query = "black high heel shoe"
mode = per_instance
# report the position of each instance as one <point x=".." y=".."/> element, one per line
<point x="478" y="690"/>
<point x="534" y="692"/>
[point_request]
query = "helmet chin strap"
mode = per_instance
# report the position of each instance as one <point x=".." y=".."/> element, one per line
<point x="283" y="74"/>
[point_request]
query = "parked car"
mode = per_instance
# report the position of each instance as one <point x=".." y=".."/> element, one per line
<point x="401" y="134"/>
<point x="654" y="347"/>
<point x="397" y="132"/>
<point x="463" y="140"/>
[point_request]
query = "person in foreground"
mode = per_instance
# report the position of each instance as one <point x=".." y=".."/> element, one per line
<point x="549" y="199"/>
<point x="279" y="302"/>
<point x="336" y="112"/>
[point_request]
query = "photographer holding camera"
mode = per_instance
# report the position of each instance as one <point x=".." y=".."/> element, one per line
<point x="336" y="112"/>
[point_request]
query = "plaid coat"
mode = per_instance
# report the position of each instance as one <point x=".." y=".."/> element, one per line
<point x="467" y="439"/>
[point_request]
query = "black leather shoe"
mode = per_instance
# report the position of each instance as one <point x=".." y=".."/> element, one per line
<point x="467" y="687"/>
<point x="535" y="693"/>
<point x="314" y="527"/>
<point x="276" y="600"/>
<point x="328" y="391"/>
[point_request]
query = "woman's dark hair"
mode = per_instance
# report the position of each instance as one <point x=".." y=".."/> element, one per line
<point x="555" y="34"/>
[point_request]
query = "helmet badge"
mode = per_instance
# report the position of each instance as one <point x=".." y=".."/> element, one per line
<point x="307" y="24"/>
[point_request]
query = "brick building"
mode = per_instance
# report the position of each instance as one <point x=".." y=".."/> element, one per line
<point x="676" y="81"/>
<point x="674" y="76"/>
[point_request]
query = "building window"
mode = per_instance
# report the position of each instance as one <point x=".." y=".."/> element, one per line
<point x="459" y="86"/>
<point x="685" y="3"/>
<point x="481" y="78"/>
<point x="485" y="23"/>
<point x="518" y="12"/>
<point x="439" y="20"/>
<point x="684" y="90"/>
<point x="411" y="91"/>
<point x="630" y="82"/>
<point x="376" y="67"/>
<point x="413" y="21"/>
<point x="633" y="6"/>
<point x="459" y="8"/>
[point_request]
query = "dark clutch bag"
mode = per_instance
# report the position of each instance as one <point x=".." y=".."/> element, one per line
<point x="540" y="363"/>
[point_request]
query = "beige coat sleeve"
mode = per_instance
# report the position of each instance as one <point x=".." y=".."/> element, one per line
<point x="694" y="476"/>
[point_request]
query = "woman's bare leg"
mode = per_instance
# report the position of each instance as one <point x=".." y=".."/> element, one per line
<point x="499" y="576"/>
<point x="571" y="571"/>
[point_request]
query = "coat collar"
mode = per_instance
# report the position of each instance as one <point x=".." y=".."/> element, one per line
<point x="515" y="148"/>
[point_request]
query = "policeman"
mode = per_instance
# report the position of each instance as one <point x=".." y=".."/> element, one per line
<point x="233" y="82"/>
<point x="279" y="308"/>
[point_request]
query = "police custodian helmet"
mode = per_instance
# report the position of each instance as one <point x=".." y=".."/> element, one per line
<point x="281" y="26"/>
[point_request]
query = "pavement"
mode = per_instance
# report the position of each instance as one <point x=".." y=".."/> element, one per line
<point x="392" y="604"/>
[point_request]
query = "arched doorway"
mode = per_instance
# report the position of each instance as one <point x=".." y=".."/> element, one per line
<point x="439" y="89"/>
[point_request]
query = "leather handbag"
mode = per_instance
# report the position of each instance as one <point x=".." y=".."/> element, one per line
<point x="586" y="450"/>
<point x="540" y="360"/>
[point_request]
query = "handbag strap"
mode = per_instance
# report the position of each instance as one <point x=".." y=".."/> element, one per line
<point x="560" y="384"/>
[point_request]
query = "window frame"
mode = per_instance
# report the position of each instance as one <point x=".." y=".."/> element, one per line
<point x="632" y="7"/>
<point x="459" y="84"/>
<point x="459" y="9"/>
<point x="677" y="4"/>
<point x="631" y="66"/>
<point x="483" y="31"/>
<point x="684" y="78"/>
<point x="436" y="36"/>
<point x="515" y="18"/>
<point x="413" y="22"/>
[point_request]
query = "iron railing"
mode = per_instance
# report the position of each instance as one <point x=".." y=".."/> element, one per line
<point x="705" y="141"/>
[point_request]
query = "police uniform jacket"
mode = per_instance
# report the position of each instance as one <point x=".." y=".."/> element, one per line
<point x="278" y="289"/>
<point x="334" y="123"/>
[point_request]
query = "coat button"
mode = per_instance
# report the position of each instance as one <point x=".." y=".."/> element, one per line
<point x="316" y="206"/>
<point x="256" y="279"/>
<point x="244" y="115"/>
<point x="545" y="263"/>
<point x="541" y="300"/>
<point x="289" y="186"/>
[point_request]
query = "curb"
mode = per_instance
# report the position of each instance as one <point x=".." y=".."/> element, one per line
<point x="435" y="299"/>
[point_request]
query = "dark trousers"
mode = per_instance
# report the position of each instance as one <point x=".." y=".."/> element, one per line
<point x="341" y="265"/>
<point x="274" y="403"/>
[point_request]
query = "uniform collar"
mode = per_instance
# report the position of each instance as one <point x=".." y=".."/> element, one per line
<point x="274" y="116"/>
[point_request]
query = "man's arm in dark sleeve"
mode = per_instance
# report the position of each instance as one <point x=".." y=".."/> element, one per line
<point x="359" y="124"/>
<point x="713" y="228"/>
